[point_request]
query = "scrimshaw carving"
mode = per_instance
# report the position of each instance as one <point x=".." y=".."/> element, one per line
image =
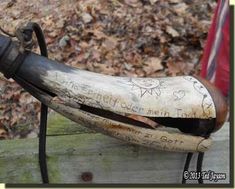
<point x="161" y="140"/>
<point x="157" y="139"/>
<point x="181" y="97"/>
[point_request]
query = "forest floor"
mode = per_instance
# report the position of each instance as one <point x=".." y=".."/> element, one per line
<point x="144" y="38"/>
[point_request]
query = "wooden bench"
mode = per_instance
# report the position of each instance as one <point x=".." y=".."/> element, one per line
<point x="79" y="155"/>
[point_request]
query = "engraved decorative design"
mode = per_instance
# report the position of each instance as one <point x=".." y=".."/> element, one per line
<point x="178" y="95"/>
<point x="147" y="86"/>
<point x="206" y="102"/>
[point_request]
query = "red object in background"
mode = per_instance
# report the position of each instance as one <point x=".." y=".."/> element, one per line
<point x="215" y="60"/>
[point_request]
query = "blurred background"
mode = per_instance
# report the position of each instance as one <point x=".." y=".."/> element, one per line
<point x="144" y="38"/>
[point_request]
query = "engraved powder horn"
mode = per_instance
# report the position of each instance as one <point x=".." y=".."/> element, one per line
<point x="111" y="105"/>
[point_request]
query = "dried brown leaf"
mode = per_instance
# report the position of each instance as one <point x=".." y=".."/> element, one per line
<point x="170" y="30"/>
<point x="109" y="43"/>
<point x="152" y="65"/>
<point x="146" y="120"/>
<point x="133" y="3"/>
<point x="173" y="68"/>
<point x="3" y="132"/>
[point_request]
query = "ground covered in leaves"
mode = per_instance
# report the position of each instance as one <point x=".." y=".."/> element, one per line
<point x="144" y="38"/>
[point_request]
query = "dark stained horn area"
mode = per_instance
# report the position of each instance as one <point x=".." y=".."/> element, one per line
<point x="219" y="101"/>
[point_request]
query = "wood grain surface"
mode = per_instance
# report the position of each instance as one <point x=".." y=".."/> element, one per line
<point x="76" y="155"/>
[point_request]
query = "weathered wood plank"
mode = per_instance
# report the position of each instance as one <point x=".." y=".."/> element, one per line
<point x="109" y="160"/>
<point x="60" y="125"/>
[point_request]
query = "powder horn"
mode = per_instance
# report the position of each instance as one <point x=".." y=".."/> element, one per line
<point x="185" y="110"/>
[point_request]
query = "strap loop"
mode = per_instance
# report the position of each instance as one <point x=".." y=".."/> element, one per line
<point x="25" y="37"/>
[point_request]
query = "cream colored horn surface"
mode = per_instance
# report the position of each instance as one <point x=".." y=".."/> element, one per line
<point x="181" y="97"/>
<point x="161" y="140"/>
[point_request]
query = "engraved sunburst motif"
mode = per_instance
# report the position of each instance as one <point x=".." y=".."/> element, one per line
<point x="146" y="86"/>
